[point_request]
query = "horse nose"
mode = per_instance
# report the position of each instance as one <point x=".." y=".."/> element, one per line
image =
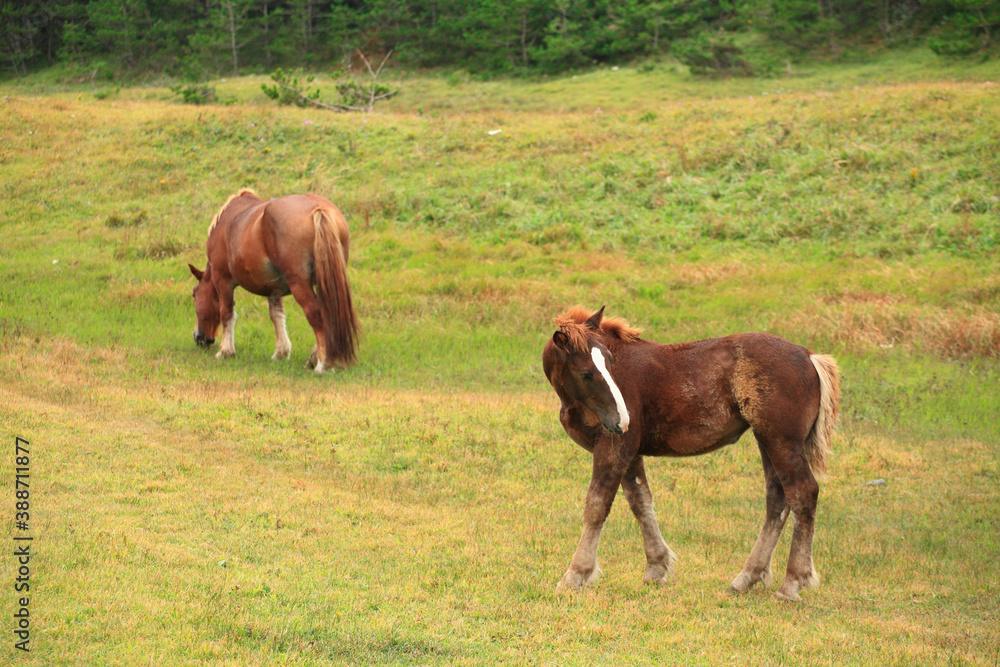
<point x="616" y="429"/>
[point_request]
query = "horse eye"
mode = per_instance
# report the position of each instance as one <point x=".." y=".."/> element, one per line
<point x="587" y="376"/>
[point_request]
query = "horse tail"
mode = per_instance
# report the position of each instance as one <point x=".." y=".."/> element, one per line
<point x="819" y="441"/>
<point x="340" y="322"/>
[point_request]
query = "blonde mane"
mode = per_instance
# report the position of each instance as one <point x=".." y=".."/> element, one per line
<point x="573" y="323"/>
<point x="244" y="191"/>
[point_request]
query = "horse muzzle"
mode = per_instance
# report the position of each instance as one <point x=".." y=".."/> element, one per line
<point x="201" y="340"/>
<point x="617" y="428"/>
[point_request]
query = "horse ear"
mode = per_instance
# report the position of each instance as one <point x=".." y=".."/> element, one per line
<point x="561" y="341"/>
<point x="195" y="272"/>
<point x="595" y="320"/>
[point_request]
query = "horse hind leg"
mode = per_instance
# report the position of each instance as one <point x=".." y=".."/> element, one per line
<point x="758" y="566"/>
<point x="801" y="573"/>
<point x="660" y="560"/>
<point x="282" y="345"/>
<point x="801" y="493"/>
<point x="306" y="298"/>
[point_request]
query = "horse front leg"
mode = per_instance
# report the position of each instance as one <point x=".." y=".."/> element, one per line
<point x="604" y="482"/>
<point x="227" y="314"/>
<point x="660" y="560"/>
<point x="282" y="345"/>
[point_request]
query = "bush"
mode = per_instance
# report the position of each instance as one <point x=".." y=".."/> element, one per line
<point x="288" y="90"/>
<point x="714" y="56"/>
<point x="967" y="28"/>
<point x="191" y="94"/>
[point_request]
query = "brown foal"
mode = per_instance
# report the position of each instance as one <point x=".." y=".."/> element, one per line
<point x="624" y="398"/>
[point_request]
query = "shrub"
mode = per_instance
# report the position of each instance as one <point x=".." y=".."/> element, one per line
<point x="714" y="56"/>
<point x="192" y="94"/>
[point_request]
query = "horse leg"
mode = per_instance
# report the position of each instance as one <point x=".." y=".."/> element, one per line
<point x="758" y="565"/>
<point x="801" y="493"/>
<point x="227" y="313"/>
<point x="604" y="482"/>
<point x="801" y="573"/>
<point x="282" y="346"/>
<point x="306" y="298"/>
<point x="660" y="559"/>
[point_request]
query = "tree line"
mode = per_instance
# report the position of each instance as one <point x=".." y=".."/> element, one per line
<point x="197" y="38"/>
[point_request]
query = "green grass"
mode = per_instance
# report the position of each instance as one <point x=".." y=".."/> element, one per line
<point x="419" y="507"/>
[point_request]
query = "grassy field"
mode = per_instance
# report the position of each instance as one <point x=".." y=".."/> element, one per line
<point x="419" y="507"/>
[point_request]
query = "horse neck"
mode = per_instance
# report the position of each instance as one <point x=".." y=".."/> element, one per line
<point x="233" y="208"/>
<point x="629" y="355"/>
<point x="613" y="343"/>
<point x="206" y="278"/>
<point x="242" y="203"/>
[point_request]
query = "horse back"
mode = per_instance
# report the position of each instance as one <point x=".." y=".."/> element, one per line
<point x="703" y="395"/>
<point x="271" y="243"/>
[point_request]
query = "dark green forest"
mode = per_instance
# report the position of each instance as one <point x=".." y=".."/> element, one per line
<point x="194" y="39"/>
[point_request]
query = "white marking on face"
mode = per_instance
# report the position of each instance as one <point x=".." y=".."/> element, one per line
<point x="598" y="357"/>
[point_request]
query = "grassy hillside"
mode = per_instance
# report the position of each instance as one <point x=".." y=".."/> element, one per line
<point x="420" y="506"/>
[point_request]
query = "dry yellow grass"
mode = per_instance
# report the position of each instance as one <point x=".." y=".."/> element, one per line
<point x="243" y="521"/>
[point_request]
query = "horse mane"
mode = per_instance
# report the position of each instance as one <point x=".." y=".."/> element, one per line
<point x="244" y="191"/>
<point x="573" y="323"/>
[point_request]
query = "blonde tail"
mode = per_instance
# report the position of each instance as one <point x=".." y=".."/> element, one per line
<point x="334" y="294"/>
<point x="819" y="441"/>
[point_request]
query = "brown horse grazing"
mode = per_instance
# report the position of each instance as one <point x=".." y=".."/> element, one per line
<point x="273" y="249"/>
<point x="624" y="398"/>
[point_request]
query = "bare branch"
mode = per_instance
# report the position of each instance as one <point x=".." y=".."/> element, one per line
<point x="355" y="96"/>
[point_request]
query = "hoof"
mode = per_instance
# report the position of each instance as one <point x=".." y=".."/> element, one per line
<point x="657" y="572"/>
<point x="225" y="354"/>
<point x="745" y="580"/>
<point x="655" y="575"/>
<point x="279" y="355"/>
<point x="790" y="588"/>
<point x="789" y="595"/>
<point x="573" y="581"/>
<point x="742" y="583"/>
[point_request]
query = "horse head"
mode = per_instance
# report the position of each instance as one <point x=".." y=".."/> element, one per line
<point x="206" y="307"/>
<point x="582" y="367"/>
